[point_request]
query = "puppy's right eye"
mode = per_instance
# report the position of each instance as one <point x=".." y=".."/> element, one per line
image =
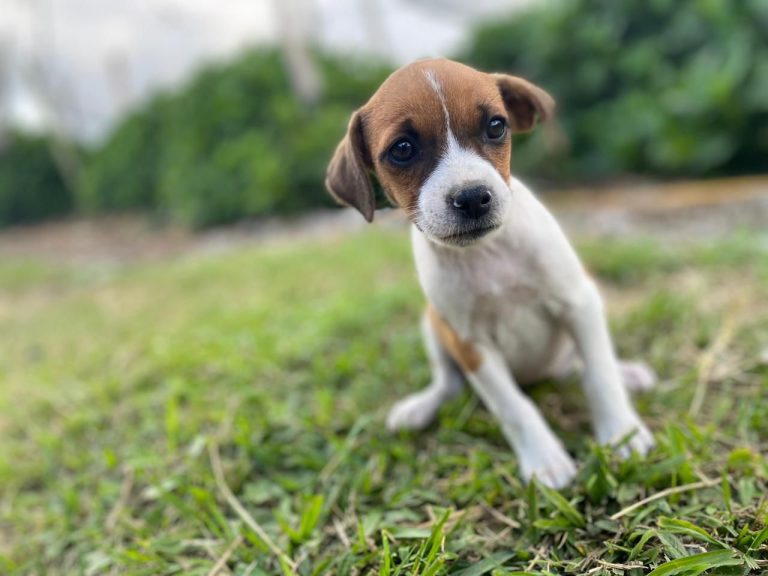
<point x="402" y="151"/>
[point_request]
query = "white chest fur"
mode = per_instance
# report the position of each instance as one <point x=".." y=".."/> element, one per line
<point x="522" y="298"/>
<point x="508" y="288"/>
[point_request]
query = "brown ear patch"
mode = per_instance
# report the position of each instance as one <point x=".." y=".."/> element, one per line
<point x="347" y="177"/>
<point x="462" y="352"/>
<point x="524" y="101"/>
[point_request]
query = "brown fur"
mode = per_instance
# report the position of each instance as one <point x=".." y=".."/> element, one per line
<point x="406" y="105"/>
<point x="462" y="351"/>
<point x="347" y="178"/>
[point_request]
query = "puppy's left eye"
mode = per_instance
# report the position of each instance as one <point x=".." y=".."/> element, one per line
<point x="496" y="128"/>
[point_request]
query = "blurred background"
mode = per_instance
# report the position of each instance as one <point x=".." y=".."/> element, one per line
<point x="201" y="113"/>
<point x="174" y="278"/>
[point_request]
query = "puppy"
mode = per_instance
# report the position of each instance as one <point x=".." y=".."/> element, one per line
<point x="509" y="302"/>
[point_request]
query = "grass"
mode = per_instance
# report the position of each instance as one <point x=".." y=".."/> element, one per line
<point x="224" y="415"/>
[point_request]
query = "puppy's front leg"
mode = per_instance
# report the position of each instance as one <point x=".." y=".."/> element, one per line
<point x="613" y="415"/>
<point x="540" y="453"/>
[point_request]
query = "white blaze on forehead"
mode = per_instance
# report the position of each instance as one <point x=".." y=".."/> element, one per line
<point x="438" y="88"/>
<point x="457" y="168"/>
<point x="454" y="155"/>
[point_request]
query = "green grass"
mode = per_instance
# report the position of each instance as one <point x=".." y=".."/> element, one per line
<point x="120" y="392"/>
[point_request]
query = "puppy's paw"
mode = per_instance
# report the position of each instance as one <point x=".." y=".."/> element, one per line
<point x="549" y="463"/>
<point x="414" y="412"/>
<point x="617" y="429"/>
<point x="637" y="376"/>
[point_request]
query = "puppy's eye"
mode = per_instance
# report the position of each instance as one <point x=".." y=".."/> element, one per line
<point x="402" y="151"/>
<point x="496" y="128"/>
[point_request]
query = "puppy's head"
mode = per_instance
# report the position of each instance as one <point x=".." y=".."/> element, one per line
<point x="437" y="134"/>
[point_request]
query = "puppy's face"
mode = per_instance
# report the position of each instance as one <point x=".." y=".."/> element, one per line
<point x="437" y="134"/>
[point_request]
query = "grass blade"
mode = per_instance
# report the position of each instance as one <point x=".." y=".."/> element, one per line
<point x="485" y="566"/>
<point x="761" y="537"/>
<point x="689" y="529"/>
<point x="573" y="516"/>
<point x="698" y="563"/>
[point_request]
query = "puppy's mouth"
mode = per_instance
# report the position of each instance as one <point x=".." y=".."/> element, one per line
<point x="469" y="235"/>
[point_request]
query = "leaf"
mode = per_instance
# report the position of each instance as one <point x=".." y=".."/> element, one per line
<point x="485" y="566"/>
<point x="698" y="563"/>
<point x="362" y="543"/>
<point x="386" y="566"/>
<point x="562" y="505"/>
<point x="554" y="525"/>
<point x="310" y="516"/>
<point x="533" y="505"/>
<point x="689" y="529"/>
<point x="761" y="537"/>
<point x="672" y="545"/>
<point x="726" y="488"/>
<point x="436" y="538"/>
<point x="294" y="535"/>
<point x="641" y="543"/>
<point x="741" y="459"/>
<point x="408" y="532"/>
<point x="747" y="491"/>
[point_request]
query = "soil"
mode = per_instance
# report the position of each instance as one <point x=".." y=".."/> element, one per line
<point x="684" y="211"/>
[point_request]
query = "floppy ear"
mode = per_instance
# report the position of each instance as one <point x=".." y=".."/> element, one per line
<point x="347" y="177"/>
<point x="524" y="101"/>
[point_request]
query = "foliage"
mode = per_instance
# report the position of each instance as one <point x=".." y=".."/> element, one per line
<point x="282" y="362"/>
<point x="31" y="187"/>
<point x="661" y="88"/>
<point x="122" y="174"/>
<point x="233" y="143"/>
<point x="655" y="87"/>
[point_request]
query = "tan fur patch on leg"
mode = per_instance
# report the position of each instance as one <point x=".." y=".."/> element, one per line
<point x="463" y="352"/>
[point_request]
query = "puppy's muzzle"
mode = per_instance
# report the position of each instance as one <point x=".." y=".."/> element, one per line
<point x="472" y="203"/>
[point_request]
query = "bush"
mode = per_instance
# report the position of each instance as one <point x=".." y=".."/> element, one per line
<point x="662" y="88"/>
<point x="31" y="187"/>
<point x="656" y="87"/>
<point x="121" y="175"/>
<point x="234" y="143"/>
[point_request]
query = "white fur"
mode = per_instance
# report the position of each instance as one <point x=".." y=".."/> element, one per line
<point x="457" y="169"/>
<point x="540" y="452"/>
<point x="438" y="90"/>
<point x="523" y="299"/>
<point x="418" y="410"/>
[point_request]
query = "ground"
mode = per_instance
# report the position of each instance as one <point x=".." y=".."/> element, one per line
<point x="222" y="411"/>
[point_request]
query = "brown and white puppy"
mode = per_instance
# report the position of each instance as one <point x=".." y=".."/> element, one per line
<point x="509" y="301"/>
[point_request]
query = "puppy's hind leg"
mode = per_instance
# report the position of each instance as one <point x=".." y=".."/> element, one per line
<point x="418" y="410"/>
<point x="637" y="376"/>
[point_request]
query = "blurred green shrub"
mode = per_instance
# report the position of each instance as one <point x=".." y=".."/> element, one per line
<point x="656" y="87"/>
<point x="653" y="87"/>
<point x="234" y="143"/>
<point x="122" y="174"/>
<point x="31" y="187"/>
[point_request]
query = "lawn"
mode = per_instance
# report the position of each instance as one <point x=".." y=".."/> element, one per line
<point x="224" y="414"/>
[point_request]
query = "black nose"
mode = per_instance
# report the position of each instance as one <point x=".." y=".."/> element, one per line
<point x="473" y="202"/>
